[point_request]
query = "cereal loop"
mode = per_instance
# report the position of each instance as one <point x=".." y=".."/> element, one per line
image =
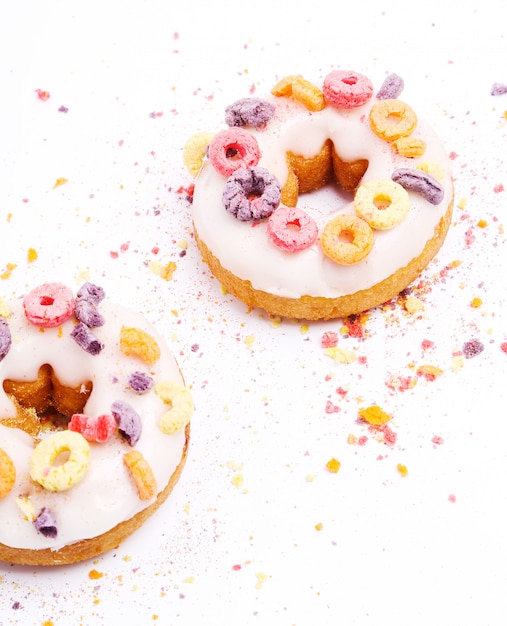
<point x="254" y="112"/>
<point x="5" y="338"/>
<point x="347" y="239"/>
<point x="420" y="182"/>
<point x="292" y="229"/>
<point x="382" y="203"/>
<point x="251" y="194"/>
<point x="346" y="90"/>
<point x="49" y="305"/>
<point x="137" y="342"/>
<point x="142" y="474"/>
<point x="231" y="149"/>
<point x="194" y="151"/>
<point x="182" y="406"/>
<point x="391" y="119"/>
<point x="302" y="91"/>
<point x="409" y="147"/>
<point x="7" y="473"/>
<point x="98" y="429"/>
<point x="60" y="476"/>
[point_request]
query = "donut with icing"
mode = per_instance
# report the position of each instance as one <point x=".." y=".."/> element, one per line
<point x="94" y="424"/>
<point x="331" y="151"/>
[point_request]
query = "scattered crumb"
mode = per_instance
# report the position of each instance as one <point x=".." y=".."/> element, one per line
<point x="402" y="469"/>
<point x="333" y="465"/>
<point x="374" y="415"/>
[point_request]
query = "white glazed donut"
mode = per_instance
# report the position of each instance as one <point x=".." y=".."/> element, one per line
<point x="88" y="503"/>
<point x="307" y="146"/>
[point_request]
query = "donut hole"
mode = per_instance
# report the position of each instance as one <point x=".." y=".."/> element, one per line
<point x="382" y="201"/>
<point x="44" y="403"/>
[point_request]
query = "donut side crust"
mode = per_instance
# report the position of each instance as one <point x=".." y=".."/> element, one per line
<point x="321" y="308"/>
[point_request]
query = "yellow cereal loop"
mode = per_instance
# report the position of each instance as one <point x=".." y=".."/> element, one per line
<point x="382" y="203"/>
<point x="141" y="473"/>
<point x="194" y="151"/>
<point x="301" y="90"/>
<point x="392" y="119"/>
<point x="347" y="239"/>
<point x="182" y="406"/>
<point x="7" y="473"/>
<point x="137" y="342"/>
<point x="46" y="468"/>
<point x="410" y="147"/>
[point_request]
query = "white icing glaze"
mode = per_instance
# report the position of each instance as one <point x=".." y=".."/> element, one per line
<point x="247" y="251"/>
<point x="106" y="495"/>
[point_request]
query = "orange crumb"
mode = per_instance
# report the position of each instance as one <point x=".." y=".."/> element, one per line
<point x="402" y="469"/>
<point x="8" y="271"/>
<point x="352" y="439"/>
<point x="60" y="181"/>
<point x="476" y="303"/>
<point x="333" y="465"/>
<point x="94" y="574"/>
<point x="482" y="223"/>
<point x="430" y="372"/>
<point x="32" y="255"/>
<point x="374" y="415"/>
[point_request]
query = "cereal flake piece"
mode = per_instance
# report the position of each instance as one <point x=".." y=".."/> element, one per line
<point x="137" y="342"/>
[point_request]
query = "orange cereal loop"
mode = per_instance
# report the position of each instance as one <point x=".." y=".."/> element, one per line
<point x="347" y="239"/>
<point x="302" y="91"/>
<point x="392" y="119"/>
<point x="137" y="342"/>
<point x="410" y="147"/>
<point x="7" y="473"/>
<point x="141" y="473"/>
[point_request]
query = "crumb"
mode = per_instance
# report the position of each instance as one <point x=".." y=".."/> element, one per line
<point x="333" y="465"/>
<point x="402" y="469"/>
<point x="319" y="526"/>
<point x="94" y="574"/>
<point x="374" y="415"/>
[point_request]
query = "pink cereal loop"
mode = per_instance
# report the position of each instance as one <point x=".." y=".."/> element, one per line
<point x="292" y="229"/>
<point x="49" y="305"/>
<point x="346" y="89"/>
<point x="231" y="149"/>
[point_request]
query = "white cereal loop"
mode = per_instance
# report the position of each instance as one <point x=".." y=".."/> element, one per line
<point x="182" y="406"/>
<point x="382" y="203"/>
<point x="61" y="476"/>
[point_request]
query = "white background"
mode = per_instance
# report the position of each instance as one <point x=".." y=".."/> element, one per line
<point x="238" y="542"/>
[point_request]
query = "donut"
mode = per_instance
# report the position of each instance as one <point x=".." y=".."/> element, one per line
<point x="336" y="147"/>
<point x="94" y="424"/>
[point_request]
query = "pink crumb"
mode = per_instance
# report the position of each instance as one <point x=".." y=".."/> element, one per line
<point x="438" y="440"/>
<point x="452" y="498"/>
<point x="498" y="188"/>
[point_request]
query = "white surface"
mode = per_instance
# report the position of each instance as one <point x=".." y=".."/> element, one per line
<point x="138" y="78"/>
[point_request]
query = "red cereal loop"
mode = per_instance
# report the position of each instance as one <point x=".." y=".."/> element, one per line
<point x="346" y="89"/>
<point x="49" y="305"/>
<point x="292" y="229"/>
<point x="231" y="149"/>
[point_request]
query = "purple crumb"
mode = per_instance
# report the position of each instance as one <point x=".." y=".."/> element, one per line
<point x="5" y="338"/>
<point x="45" y="523"/>
<point x="129" y="422"/>
<point x="498" y="89"/>
<point x="249" y="112"/>
<point x="391" y="87"/>
<point x="86" y="339"/>
<point x="140" y="382"/>
<point x="87" y="313"/>
<point x="472" y="348"/>
<point x="92" y="293"/>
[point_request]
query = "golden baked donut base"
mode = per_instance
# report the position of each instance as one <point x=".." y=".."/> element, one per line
<point x="321" y="308"/>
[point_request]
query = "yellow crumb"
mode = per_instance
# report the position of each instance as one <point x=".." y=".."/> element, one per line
<point x="319" y="526"/>
<point x="189" y="579"/>
<point x="310" y="478"/>
<point x="304" y="328"/>
<point x="25" y="505"/>
<point x="8" y="271"/>
<point x="429" y="371"/>
<point x="5" y="310"/>
<point x="32" y="255"/>
<point x="333" y="465"/>
<point x="340" y="355"/>
<point x="237" y="480"/>
<point x="482" y="223"/>
<point x="352" y="439"/>
<point x="457" y="363"/>
<point x="164" y="271"/>
<point x="186" y="508"/>
<point x="250" y="340"/>
<point x="183" y="244"/>
<point x="476" y="303"/>
<point x="462" y="203"/>
<point x="402" y="469"/>
<point x="413" y="305"/>
<point x="60" y="181"/>
<point x="261" y="578"/>
<point x="276" y="322"/>
<point x="374" y="415"/>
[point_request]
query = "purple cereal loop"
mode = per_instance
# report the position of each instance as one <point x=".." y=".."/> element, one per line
<point x="129" y="422"/>
<point x="45" y="524"/>
<point x="498" y="89"/>
<point x="86" y="312"/>
<point x="420" y="182"/>
<point x="92" y="293"/>
<point x="86" y="339"/>
<point x="140" y="382"/>
<point x="251" y="194"/>
<point x="5" y="338"/>
<point x="249" y="112"/>
<point x="391" y="88"/>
